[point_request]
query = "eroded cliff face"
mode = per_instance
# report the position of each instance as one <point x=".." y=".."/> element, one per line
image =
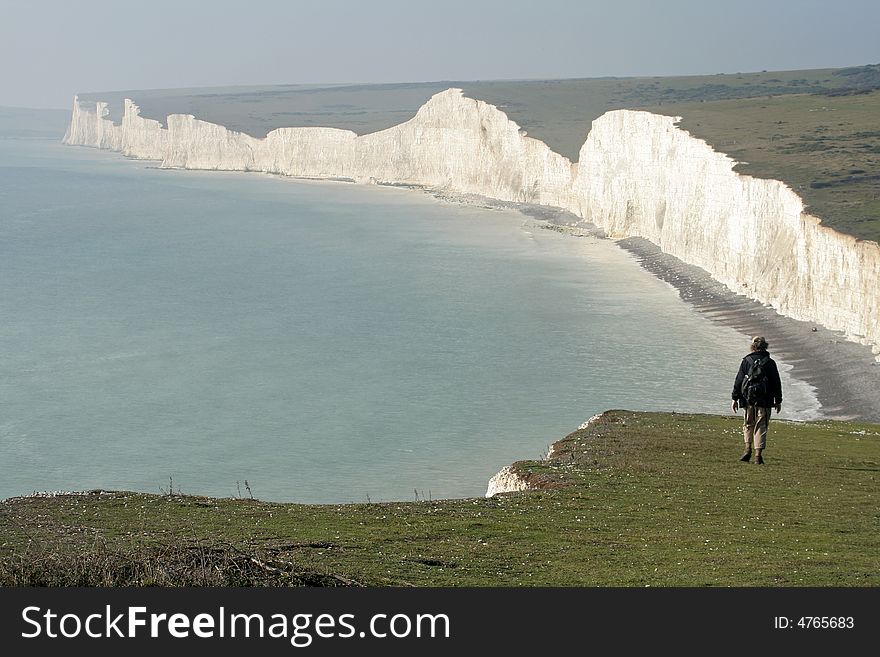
<point x="453" y="143"/>
<point x="507" y="480"/>
<point x="638" y="175"/>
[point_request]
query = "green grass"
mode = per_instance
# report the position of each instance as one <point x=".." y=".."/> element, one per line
<point x="638" y="499"/>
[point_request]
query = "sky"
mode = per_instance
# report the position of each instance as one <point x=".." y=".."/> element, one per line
<point x="52" y="49"/>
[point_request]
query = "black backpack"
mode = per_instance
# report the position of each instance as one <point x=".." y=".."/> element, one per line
<point x="756" y="384"/>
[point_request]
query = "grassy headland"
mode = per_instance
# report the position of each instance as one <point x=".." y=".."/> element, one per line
<point x="636" y="499"/>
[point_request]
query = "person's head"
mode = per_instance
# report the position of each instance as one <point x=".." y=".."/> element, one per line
<point x="759" y="343"/>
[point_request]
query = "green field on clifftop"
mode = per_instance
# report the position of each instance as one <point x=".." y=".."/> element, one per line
<point x="637" y="499"/>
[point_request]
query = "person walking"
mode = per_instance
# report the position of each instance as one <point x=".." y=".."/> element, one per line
<point x="757" y="389"/>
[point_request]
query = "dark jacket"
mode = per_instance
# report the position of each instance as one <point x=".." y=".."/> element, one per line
<point x="774" y="396"/>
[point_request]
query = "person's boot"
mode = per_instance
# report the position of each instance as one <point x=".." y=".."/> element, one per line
<point x="759" y="460"/>
<point x="747" y="455"/>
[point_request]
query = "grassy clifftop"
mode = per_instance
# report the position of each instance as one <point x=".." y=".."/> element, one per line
<point x="636" y="499"/>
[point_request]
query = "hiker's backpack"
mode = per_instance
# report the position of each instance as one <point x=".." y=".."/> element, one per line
<point x="756" y="385"/>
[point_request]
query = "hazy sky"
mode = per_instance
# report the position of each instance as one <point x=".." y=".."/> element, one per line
<point x="50" y="50"/>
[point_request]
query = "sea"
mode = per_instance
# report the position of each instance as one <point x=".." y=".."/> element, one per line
<point x="246" y="335"/>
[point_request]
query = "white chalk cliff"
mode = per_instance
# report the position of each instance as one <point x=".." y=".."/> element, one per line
<point x="507" y="480"/>
<point x="638" y="175"/>
<point x="641" y="175"/>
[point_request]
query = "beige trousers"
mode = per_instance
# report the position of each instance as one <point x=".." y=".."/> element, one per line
<point x="757" y="420"/>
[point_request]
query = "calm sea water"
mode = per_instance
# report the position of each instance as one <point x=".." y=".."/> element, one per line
<point x="323" y="342"/>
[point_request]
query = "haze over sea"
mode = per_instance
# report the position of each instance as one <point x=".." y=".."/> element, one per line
<point x="326" y="342"/>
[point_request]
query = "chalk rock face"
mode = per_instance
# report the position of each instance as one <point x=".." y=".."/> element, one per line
<point x="135" y="137"/>
<point x="469" y="146"/>
<point x="506" y="481"/>
<point x="91" y="128"/>
<point x="638" y="175"/>
<point x="143" y="138"/>
<point x="452" y="143"/>
<point x="312" y="153"/>
<point x="195" y="144"/>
